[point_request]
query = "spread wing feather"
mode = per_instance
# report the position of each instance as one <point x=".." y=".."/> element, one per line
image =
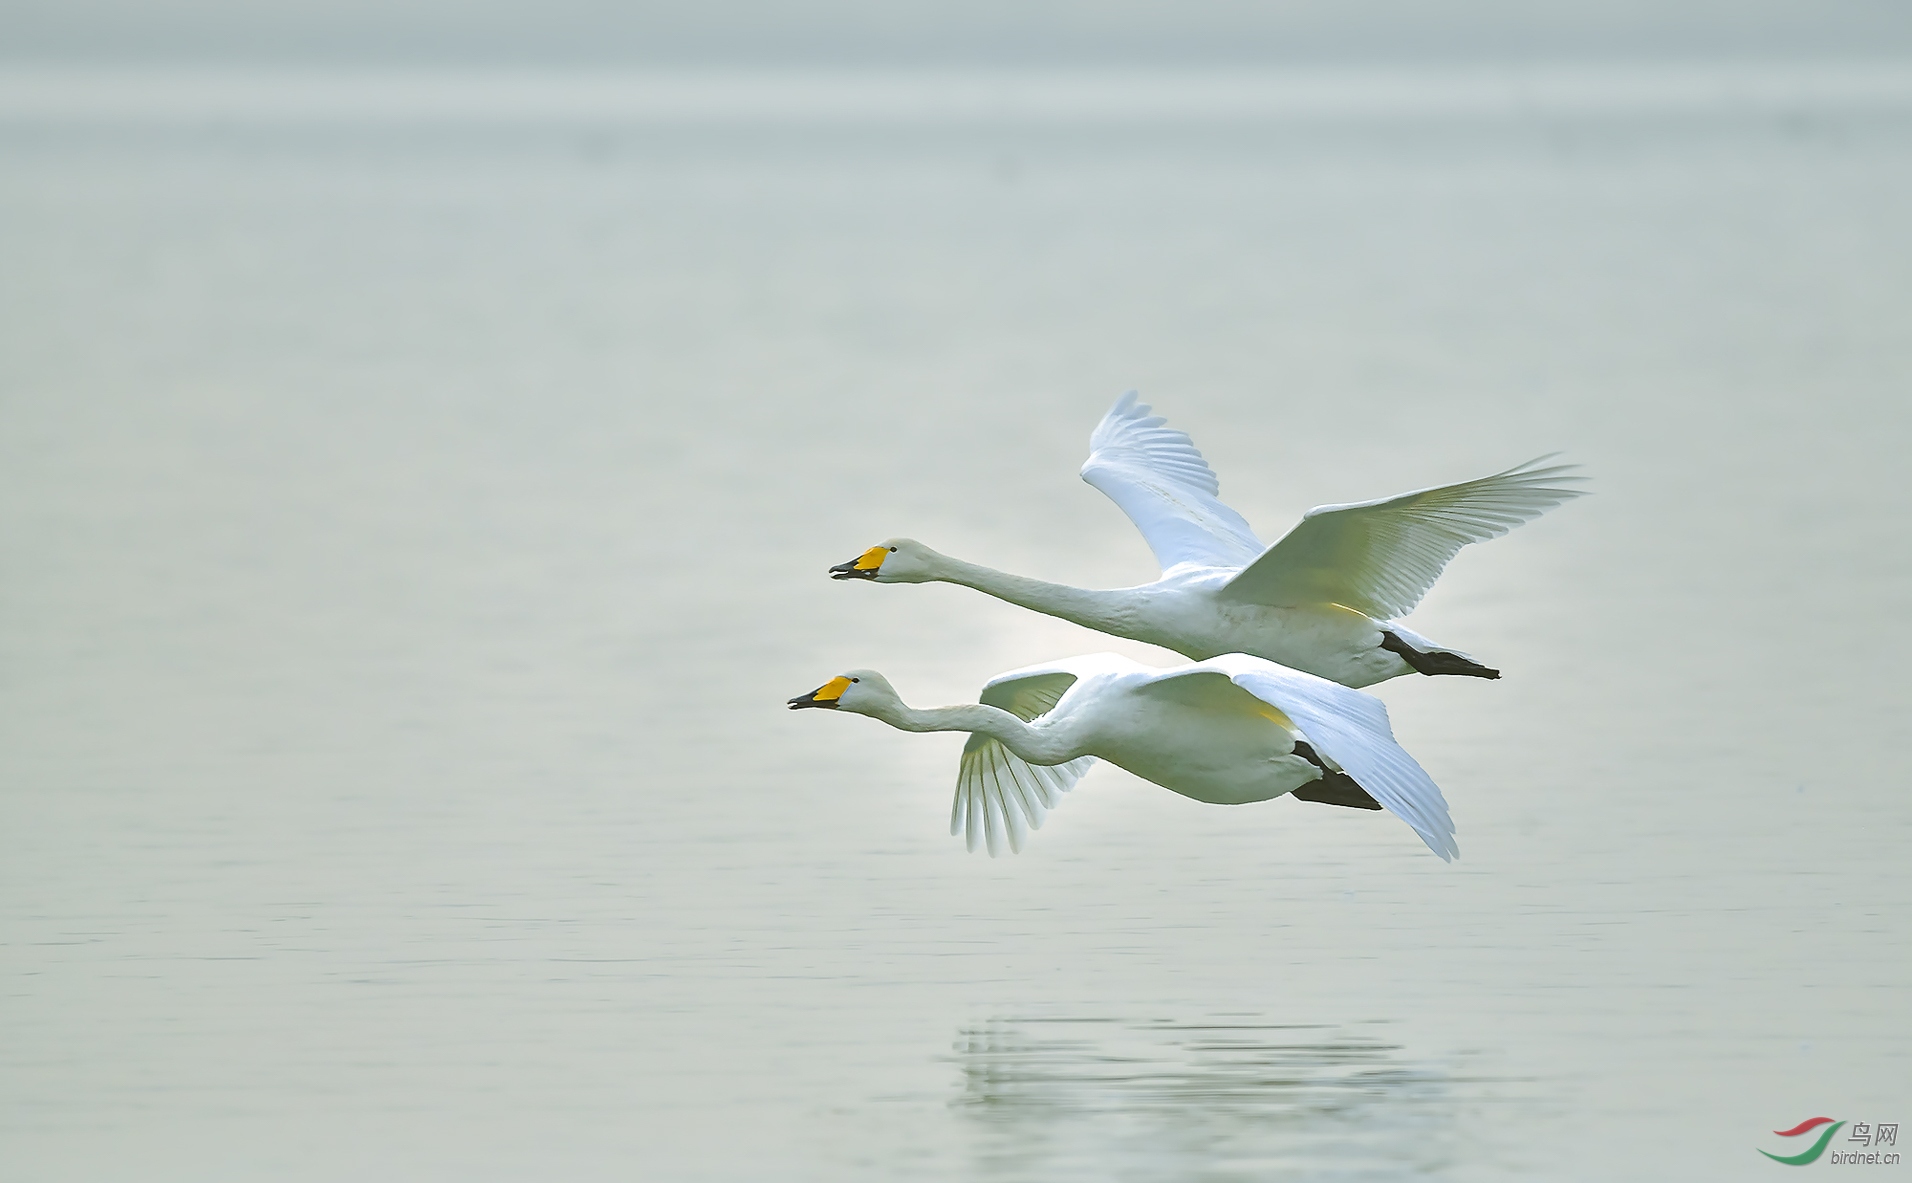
<point x="1000" y="797"/>
<point x="1351" y="730"/>
<point x="1380" y="557"/>
<point x="1158" y="478"/>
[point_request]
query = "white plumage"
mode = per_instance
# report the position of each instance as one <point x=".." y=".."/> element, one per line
<point x="1381" y="557"/>
<point x="1223" y="731"/>
<point x="1321" y="600"/>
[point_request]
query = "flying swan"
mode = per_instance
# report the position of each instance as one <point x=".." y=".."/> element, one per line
<point x="1323" y="599"/>
<point x="1228" y="731"/>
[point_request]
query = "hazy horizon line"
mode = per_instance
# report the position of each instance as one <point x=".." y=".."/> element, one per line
<point x="895" y="94"/>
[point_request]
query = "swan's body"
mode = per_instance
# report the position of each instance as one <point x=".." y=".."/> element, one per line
<point x="1227" y="731"/>
<point x="1322" y="600"/>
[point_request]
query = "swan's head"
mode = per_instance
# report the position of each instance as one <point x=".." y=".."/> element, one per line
<point x="899" y="560"/>
<point x="861" y="692"/>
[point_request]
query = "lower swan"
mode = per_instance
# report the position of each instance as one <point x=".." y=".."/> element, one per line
<point x="1228" y="731"/>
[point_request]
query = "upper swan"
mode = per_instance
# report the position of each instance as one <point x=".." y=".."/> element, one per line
<point x="1322" y="600"/>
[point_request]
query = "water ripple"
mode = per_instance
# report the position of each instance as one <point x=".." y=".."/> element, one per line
<point x="1151" y="1099"/>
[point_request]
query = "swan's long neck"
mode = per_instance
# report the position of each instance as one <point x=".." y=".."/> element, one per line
<point x="1103" y="611"/>
<point x="1034" y="744"/>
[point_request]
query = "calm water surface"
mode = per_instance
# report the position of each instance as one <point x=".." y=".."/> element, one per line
<point x="415" y="511"/>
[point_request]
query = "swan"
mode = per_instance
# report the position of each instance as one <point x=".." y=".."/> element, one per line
<point x="1322" y="600"/>
<point x="1228" y="731"/>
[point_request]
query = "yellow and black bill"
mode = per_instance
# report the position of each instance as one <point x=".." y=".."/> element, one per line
<point x="863" y="566"/>
<point x="825" y="695"/>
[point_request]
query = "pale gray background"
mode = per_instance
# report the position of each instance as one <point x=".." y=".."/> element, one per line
<point x="419" y="458"/>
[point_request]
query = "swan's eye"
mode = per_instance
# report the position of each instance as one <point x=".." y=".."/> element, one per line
<point x="892" y="550"/>
<point x="856" y="679"/>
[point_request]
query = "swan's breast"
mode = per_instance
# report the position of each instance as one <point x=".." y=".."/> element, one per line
<point x="1242" y="752"/>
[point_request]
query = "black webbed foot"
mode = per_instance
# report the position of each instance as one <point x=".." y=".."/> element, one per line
<point x="1334" y="788"/>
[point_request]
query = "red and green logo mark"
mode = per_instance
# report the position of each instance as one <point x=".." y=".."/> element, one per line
<point x="1812" y="1152"/>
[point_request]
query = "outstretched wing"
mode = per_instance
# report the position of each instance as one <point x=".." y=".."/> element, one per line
<point x="1000" y="796"/>
<point x="1158" y="478"/>
<point x="1350" y="729"/>
<point x="1380" y="557"/>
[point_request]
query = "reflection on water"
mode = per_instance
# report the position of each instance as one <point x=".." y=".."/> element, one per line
<point x="1138" y="1099"/>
